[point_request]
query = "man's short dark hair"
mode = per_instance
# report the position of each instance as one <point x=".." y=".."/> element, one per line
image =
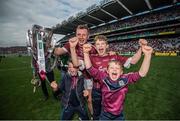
<point x="83" y="26"/>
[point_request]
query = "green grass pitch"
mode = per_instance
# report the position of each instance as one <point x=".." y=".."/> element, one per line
<point x="157" y="96"/>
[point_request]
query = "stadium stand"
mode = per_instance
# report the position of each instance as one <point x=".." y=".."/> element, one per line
<point x="16" y="50"/>
<point x="124" y="23"/>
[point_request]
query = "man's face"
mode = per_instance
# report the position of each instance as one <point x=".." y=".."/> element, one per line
<point x="114" y="70"/>
<point x="101" y="47"/>
<point x="73" y="71"/>
<point x="82" y="35"/>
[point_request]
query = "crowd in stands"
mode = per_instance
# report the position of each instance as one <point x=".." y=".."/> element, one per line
<point x="142" y="34"/>
<point x="125" y="46"/>
<point x="159" y="45"/>
<point x="139" y="20"/>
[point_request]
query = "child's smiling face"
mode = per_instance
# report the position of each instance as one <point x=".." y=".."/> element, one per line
<point x="72" y="70"/>
<point x="114" y="70"/>
<point x="101" y="47"/>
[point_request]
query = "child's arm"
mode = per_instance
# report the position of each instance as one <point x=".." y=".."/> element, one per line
<point x="54" y="86"/>
<point x="58" y="88"/>
<point x="73" y="42"/>
<point x="50" y="76"/>
<point x="86" y="50"/>
<point x="95" y="73"/>
<point x="137" y="55"/>
<point x="146" y="62"/>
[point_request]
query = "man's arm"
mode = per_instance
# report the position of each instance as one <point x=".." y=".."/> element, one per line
<point x="59" y="51"/>
<point x="146" y="62"/>
<point x="137" y="56"/>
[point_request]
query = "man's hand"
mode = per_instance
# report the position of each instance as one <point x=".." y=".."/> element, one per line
<point x="142" y="42"/>
<point x="54" y="86"/>
<point x="147" y="50"/>
<point x="73" y="42"/>
<point x="87" y="48"/>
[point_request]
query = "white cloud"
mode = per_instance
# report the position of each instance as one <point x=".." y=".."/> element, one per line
<point x="17" y="16"/>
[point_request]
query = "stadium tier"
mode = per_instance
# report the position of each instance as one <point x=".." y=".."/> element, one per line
<point x="125" y="21"/>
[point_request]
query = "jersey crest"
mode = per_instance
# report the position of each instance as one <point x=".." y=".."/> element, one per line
<point x="119" y="84"/>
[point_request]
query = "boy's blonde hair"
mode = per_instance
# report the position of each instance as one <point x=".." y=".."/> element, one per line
<point x="101" y="38"/>
<point x="116" y="62"/>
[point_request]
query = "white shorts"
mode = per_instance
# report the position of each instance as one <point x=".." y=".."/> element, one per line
<point x="88" y="83"/>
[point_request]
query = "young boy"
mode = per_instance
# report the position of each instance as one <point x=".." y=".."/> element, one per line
<point x="72" y="86"/>
<point x="114" y="83"/>
<point x="100" y="61"/>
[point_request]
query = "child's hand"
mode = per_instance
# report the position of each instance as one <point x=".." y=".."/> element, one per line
<point x="142" y="42"/>
<point x="73" y="42"/>
<point x="85" y="93"/>
<point x="147" y="50"/>
<point x="54" y="86"/>
<point x="86" y="48"/>
<point x="112" y="53"/>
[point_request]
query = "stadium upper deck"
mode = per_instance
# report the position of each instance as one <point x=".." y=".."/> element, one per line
<point x="108" y="11"/>
<point x="115" y="14"/>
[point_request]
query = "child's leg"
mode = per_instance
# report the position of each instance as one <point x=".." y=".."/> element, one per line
<point x="120" y="117"/>
<point x="89" y="101"/>
<point x="67" y="113"/>
<point x="88" y="86"/>
<point x="96" y="101"/>
<point x="104" y="116"/>
<point x="109" y="116"/>
<point x="83" y="114"/>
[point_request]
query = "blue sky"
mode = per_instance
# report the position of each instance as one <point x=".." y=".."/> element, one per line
<point x="17" y="16"/>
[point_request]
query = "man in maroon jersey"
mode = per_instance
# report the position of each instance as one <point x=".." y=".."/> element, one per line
<point x="114" y="83"/>
<point x="82" y="35"/>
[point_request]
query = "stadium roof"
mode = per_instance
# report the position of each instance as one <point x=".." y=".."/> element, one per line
<point x="108" y="11"/>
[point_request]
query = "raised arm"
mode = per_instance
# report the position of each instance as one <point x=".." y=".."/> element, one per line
<point x="146" y="62"/>
<point x="73" y="42"/>
<point x="95" y="73"/>
<point x="137" y="55"/>
<point x="87" y="61"/>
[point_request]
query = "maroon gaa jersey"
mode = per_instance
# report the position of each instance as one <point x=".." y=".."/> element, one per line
<point x="79" y="50"/>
